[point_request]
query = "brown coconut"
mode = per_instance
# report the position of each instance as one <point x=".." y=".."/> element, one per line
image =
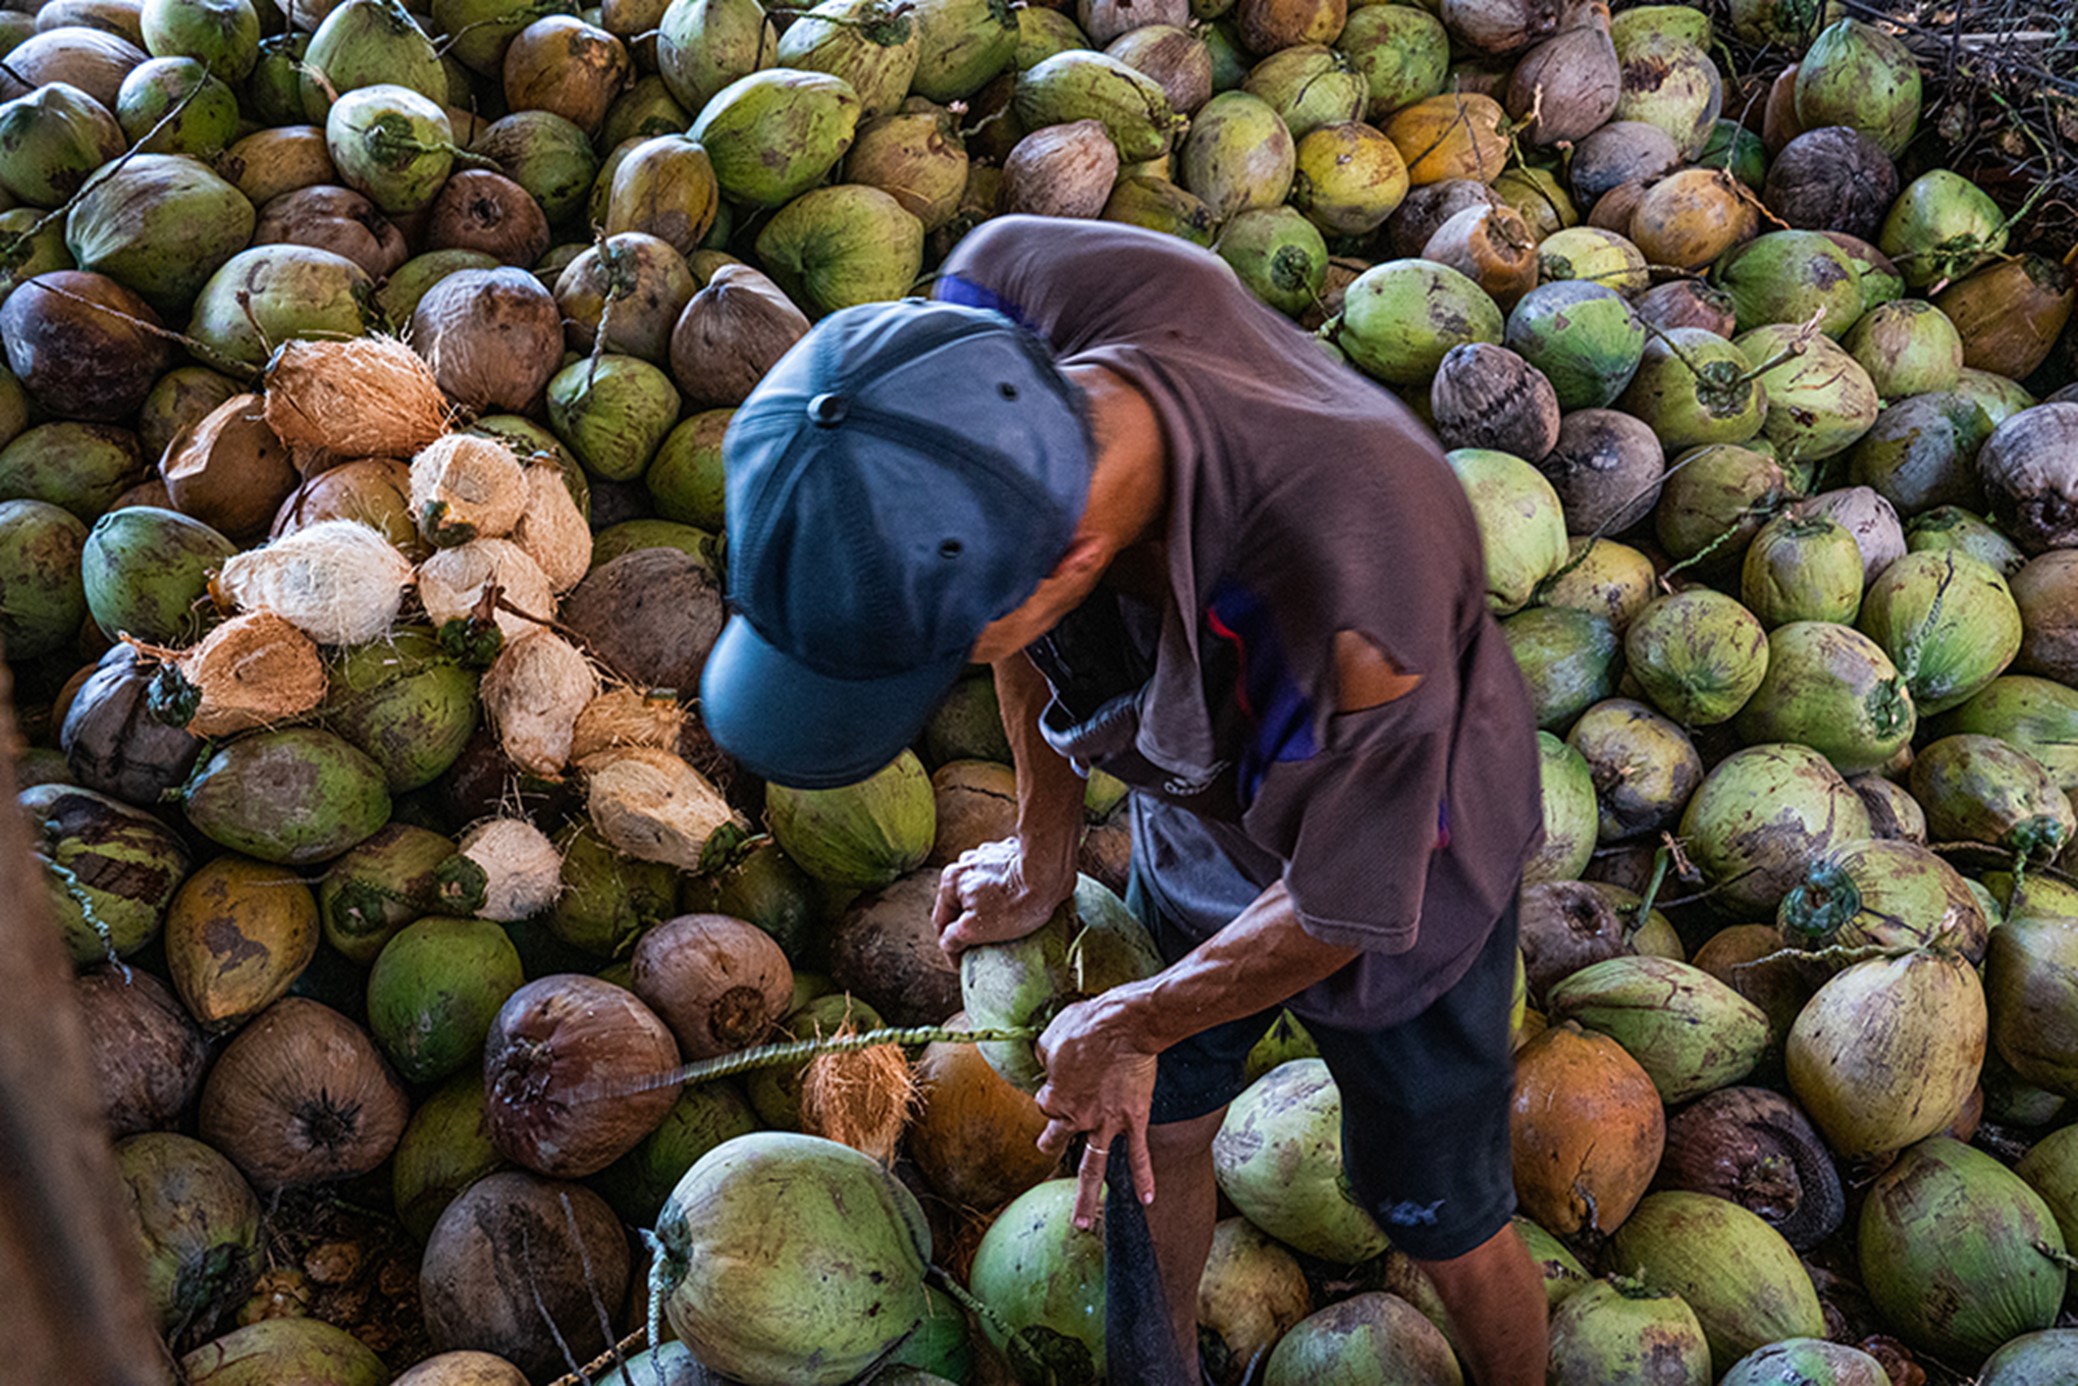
<point x="560" y="1047"/>
<point x="1455" y="135"/>
<point x="2046" y="590"/>
<point x="229" y="470"/>
<point x="374" y="491"/>
<point x="1619" y="152"/>
<point x="1758" y="1149"/>
<point x="1106" y="20"/>
<point x="1833" y="178"/>
<point x="338" y="581"/>
<point x="1106" y="854"/>
<point x="2009" y="313"/>
<point x="522" y="869"/>
<point x="567" y="67"/>
<point x="633" y="284"/>
<point x="1566" y="87"/>
<point x="466" y="487"/>
<point x="1427" y="207"/>
<point x="252" y="671"/>
<point x="463" y="1369"/>
<point x="1270" y="26"/>
<point x="492" y="337"/>
<point x="1493" y="247"/>
<point x="1606" y="468"/>
<point x="730" y="333"/>
<point x="650" y="616"/>
<point x="721" y="984"/>
<point x="481" y="210"/>
<point x="1061" y="171"/>
<point x="453" y="583"/>
<point x="552" y="530"/>
<point x="1614" y="209"/>
<point x="1587" y="1131"/>
<point x="1779" y="123"/>
<point x="1733" y="955"/>
<point x="885" y="951"/>
<point x="976" y="1134"/>
<point x="147" y="1054"/>
<point x="651" y="805"/>
<point x="1499" y="28"/>
<point x="335" y="219"/>
<point x="1687" y="303"/>
<point x="533" y="694"/>
<point x="368" y="397"/>
<point x="977" y="803"/>
<point x="150" y="491"/>
<point x="1179" y="61"/>
<point x="1692" y="216"/>
<point x="1565" y="925"/>
<point x="302" y="1095"/>
<point x="1486" y="396"/>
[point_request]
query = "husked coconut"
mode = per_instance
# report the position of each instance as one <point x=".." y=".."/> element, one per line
<point x="366" y="397"/>
<point x="627" y="717"/>
<point x="522" y="870"/>
<point x="452" y="583"/>
<point x="251" y="671"/>
<point x="338" y="581"/>
<point x="533" y="693"/>
<point x="466" y="487"/>
<point x="552" y="530"/>
<point x="650" y="805"/>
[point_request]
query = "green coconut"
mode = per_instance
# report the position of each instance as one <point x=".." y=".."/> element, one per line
<point x="173" y="106"/>
<point x="1908" y="348"/>
<point x="391" y="145"/>
<point x="1714" y="500"/>
<point x="405" y="703"/>
<point x="366" y="43"/>
<point x="1999" y="397"/>
<point x="1949" y="527"/>
<point x="664" y="188"/>
<point x="685" y="478"/>
<point x="1278" y="1158"/>
<point x="445" y="1148"/>
<point x="1621" y="1330"/>
<point x="1595" y="256"/>
<point x="870" y="44"/>
<point x="161" y="226"/>
<point x="1690" y="1032"/>
<point x="1611" y="580"/>
<point x="1041" y="33"/>
<point x="434" y="991"/>
<point x="1806" y="1362"/>
<point x="401" y="292"/>
<point x="1802" y="569"/>
<point x="1043" y="1281"/>
<point x="1568" y="657"/>
<point x="1399" y="319"/>
<point x="916" y="157"/>
<point x="805" y="1211"/>
<point x="52" y="140"/>
<point x="1820" y="400"/>
<point x="1692" y="387"/>
<point x="1582" y="336"/>
<point x="1860" y="76"/>
<point x="1401" y="51"/>
<point x="1698" y="655"/>
<point x="961" y="46"/>
<point x="1737" y="150"/>
<point x="607" y="900"/>
<point x="273" y="1351"/>
<point x="183" y="396"/>
<point x="274" y="88"/>
<point x="1278" y="254"/>
<point x="270" y="294"/>
<point x="1948" y="621"/>
<point x="2032" y="1359"/>
<point x="1958" y="1253"/>
<point x="643" y="111"/>
<point x="2031" y="979"/>
<point x="1759" y="817"/>
<point x="40" y="549"/>
<point x="1980" y="789"/>
<point x="292" y="796"/>
<point x="1643" y="767"/>
<point x="1743" y="1281"/>
<point x="1309" y="85"/>
<point x="1568" y="788"/>
<point x="1370" y="1337"/>
<point x="2051" y="1169"/>
<point x="197" y="1223"/>
<point x="1834" y="690"/>
<point x="388" y="880"/>
<point x="1669" y="82"/>
<point x="629" y="535"/>
<point x="1919" y="452"/>
<point x="224" y="34"/>
<point x="2035" y="715"/>
<point x="840" y="246"/>
<point x="34" y="252"/>
<point x="704" y="45"/>
<point x="112" y="869"/>
<point x="1790" y="277"/>
<point x="773" y="135"/>
<point x="1079" y="85"/>
<point x="613" y="411"/>
<point x="1941" y="227"/>
<point x="548" y="156"/>
<point x="1159" y="205"/>
<point x="146" y="573"/>
<point x="1521" y="524"/>
<point x="865" y="835"/>
<point x="1239" y="155"/>
<point x="1883" y="893"/>
<point x="638" y="1184"/>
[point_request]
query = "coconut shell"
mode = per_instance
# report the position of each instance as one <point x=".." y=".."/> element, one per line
<point x="452" y="584"/>
<point x="335" y="219"/>
<point x="1587" y="1131"/>
<point x="1106" y="20"/>
<point x="1567" y="86"/>
<point x="147" y="1054"/>
<point x="338" y="581"/>
<point x="522" y="869"/>
<point x="885" y="951"/>
<point x="552" y="531"/>
<point x="975" y="1137"/>
<point x="113" y="743"/>
<point x="1061" y="171"/>
<point x="1566" y="925"/>
<point x="373" y="491"/>
<point x="252" y="671"/>
<point x="650" y="805"/>
<point x="367" y="397"/>
<point x="300" y="1096"/>
<point x="731" y="333"/>
<point x="650" y="616"/>
<point x="485" y="211"/>
<point x="719" y="983"/>
<point x="1486" y="396"/>
<point x="1493" y="247"/>
<point x="2009" y="314"/>
<point x="492" y="337"/>
<point x="556" y="1043"/>
<point x="1426" y="208"/>
<point x="466" y="487"/>
<point x="533" y="693"/>
<point x="1691" y="217"/>
<point x="1833" y="178"/>
<point x="229" y="469"/>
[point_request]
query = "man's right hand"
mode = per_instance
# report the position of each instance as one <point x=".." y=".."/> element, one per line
<point x="988" y="896"/>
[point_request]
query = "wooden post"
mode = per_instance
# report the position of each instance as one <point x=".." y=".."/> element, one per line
<point x="71" y="1275"/>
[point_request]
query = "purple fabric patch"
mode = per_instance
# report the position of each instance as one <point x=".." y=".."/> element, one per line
<point x="1279" y="714"/>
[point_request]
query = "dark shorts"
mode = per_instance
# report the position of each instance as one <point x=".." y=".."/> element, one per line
<point x="1425" y="1103"/>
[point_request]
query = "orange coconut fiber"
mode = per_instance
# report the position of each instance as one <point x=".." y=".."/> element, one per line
<point x="364" y="397"/>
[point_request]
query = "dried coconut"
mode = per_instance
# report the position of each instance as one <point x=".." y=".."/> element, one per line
<point x="652" y="806"/>
<point x="553" y="530"/>
<point x="338" y="581"/>
<point x="464" y="487"/>
<point x="627" y="717"/>
<point x="533" y="692"/>
<point x="251" y="671"/>
<point x="364" y="397"/>
<point x="522" y="868"/>
<point x="451" y="584"/>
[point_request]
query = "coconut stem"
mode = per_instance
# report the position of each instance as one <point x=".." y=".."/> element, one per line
<point x="509" y="17"/>
<point x="388" y="142"/>
<point x="959" y="1294"/>
<point x="1661" y="859"/>
<point x="799" y="1051"/>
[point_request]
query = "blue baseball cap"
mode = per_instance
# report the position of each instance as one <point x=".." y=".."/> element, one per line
<point x="903" y="476"/>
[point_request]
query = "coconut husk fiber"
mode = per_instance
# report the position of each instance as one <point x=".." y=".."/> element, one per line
<point x="466" y="487"/>
<point x="452" y="583"/>
<point x="552" y="530"/>
<point x="252" y="671"/>
<point x="523" y="871"/>
<point x="650" y="805"/>
<point x="367" y="397"/>
<point x="627" y="717"/>
<point x="862" y="1099"/>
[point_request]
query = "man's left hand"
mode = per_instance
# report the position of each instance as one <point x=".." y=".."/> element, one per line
<point x="1100" y="1082"/>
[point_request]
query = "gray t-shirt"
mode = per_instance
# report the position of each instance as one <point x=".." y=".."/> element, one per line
<point x="1303" y="501"/>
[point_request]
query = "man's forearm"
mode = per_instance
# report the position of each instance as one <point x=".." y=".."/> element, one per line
<point x="1260" y="959"/>
<point x="1049" y="792"/>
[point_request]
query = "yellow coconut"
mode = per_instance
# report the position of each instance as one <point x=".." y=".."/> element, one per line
<point x="1456" y="135"/>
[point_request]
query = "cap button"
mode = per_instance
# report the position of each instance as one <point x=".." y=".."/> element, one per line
<point x="828" y="410"/>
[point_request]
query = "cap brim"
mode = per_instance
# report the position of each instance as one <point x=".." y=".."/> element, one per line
<point x="786" y="723"/>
